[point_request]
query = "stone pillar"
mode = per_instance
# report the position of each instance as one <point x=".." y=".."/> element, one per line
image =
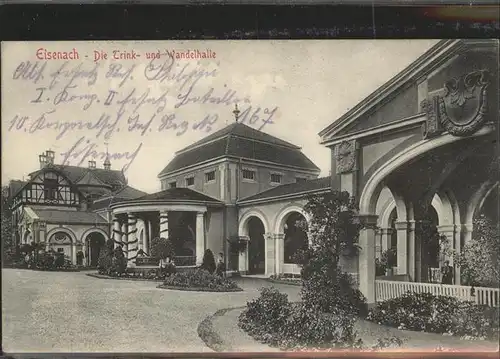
<point x="378" y="243"/>
<point x="386" y="238"/>
<point x="270" y="250"/>
<point x="164" y="224"/>
<point x="73" y="253"/>
<point x="125" y="237"/>
<point x="117" y="232"/>
<point x="279" y="239"/>
<point x="131" y="240"/>
<point x="86" y="255"/>
<point x="420" y="272"/>
<point x="145" y="247"/>
<point x="449" y="232"/>
<point x="367" y="258"/>
<point x="411" y="251"/>
<point x="200" y="237"/>
<point x="243" y="256"/>
<point x="149" y="235"/>
<point x="402" y="246"/>
<point x="346" y="156"/>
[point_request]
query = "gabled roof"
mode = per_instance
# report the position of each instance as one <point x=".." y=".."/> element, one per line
<point x="15" y="186"/>
<point x="179" y="194"/>
<point x="75" y="173"/>
<point x="240" y="141"/>
<point x="290" y="189"/>
<point x="425" y="64"/>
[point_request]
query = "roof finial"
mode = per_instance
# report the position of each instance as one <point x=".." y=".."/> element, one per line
<point x="236" y="112"/>
<point x="107" y="162"/>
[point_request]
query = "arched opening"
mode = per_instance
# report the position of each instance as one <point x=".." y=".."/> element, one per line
<point x="295" y="237"/>
<point x="60" y="242"/>
<point x="95" y="242"/>
<point x="431" y="253"/>
<point x="256" y="246"/>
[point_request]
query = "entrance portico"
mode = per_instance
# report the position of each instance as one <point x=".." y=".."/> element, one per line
<point x="419" y="156"/>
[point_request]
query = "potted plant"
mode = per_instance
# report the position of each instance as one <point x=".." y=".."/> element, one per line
<point x="389" y="258"/>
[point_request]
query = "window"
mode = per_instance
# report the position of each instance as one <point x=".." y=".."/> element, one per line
<point x="300" y="179"/>
<point x="60" y="250"/>
<point x="249" y="175"/>
<point x="50" y="188"/>
<point x="276" y="178"/>
<point x="190" y="181"/>
<point x="172" y="184"/>
<point x="210" y="176"/>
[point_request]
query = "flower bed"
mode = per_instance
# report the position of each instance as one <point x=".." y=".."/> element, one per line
<point x="149" y="275"/>
<point x="199" y="280"/>
<point x="125" y="276"/>
<point x="438" y="314"/>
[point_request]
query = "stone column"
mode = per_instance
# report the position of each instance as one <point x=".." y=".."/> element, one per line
<point x="243" y="256"/>
<point x="411" y="251"/>
<point x="125" y="237"/>
<point x="386" y="237"/>
<point x="367" y="258"/>
<point x="149" y="236"/>
<point x="117" y="232"/>
<point x="449" y="232"/>
<point x="280" y="251"/>
<point x="131" y="240"/>
<point x="420" y="273"/>
<point x="402" y="246"/>
<point x="164" y="224"/>
<point x="200" y="237"/>
<point x="270" y="250"/>
<point x="73" y="253"/>
<point x="86" y="258"/>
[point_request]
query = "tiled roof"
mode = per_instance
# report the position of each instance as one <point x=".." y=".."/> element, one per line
<point x="240" y="141"/>
<point x="179" y="193"/>
<point x="291" y="189"/>
<point x="74" y="173"/>
<point x="73" y="217"/>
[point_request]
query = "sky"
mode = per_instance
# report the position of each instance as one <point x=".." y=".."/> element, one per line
<point x="145" y="100"/>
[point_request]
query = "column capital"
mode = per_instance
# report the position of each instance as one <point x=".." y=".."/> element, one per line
<point x="446" y="228"/>
<point x="244" y="238"/>
<point x="131" y="215"/>
<point x="200" y="214"/>
<point x="402" y="225"/>
<point x="279" y="236"/>
<point x="386" y="231"/>
<point x="368" y="220"/>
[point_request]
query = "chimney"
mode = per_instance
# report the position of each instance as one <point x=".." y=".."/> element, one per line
<point x="50" y="157"/>
<point x="91" y="164"/>
<point x="43" y="160"/>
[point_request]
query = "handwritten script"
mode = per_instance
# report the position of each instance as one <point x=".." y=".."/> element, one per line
<point x="90" y="98"/>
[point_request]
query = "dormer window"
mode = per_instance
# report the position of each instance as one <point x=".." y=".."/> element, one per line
<point x="50" y="186"/>
<point x="276" y="178"/>
<point x="209" y="176"/>
<point x="190" y="181"/>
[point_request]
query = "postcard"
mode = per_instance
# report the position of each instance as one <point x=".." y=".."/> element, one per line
<point x="249" y="196"/>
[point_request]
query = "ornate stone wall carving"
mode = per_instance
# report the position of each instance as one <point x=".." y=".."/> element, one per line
<point x="463" y="108"/>
<point x="432" y="126"/>
<point x="346" y="156"/>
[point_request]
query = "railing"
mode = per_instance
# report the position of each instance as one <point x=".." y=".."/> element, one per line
<point x="481" y="295"/>
<point x="180" y="261"/>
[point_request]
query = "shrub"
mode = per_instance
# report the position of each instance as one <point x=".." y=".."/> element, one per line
<point x="105" y="262"/>
<point x="208" y="262"/>
<point x="270" y="311"/>
<point x="200" y="279"/>
<point x="437" y="314"/>
<point x="162" y="248"/>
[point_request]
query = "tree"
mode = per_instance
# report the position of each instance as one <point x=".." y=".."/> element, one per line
<point x="478" y="259"/>
<point x="162" y="248"/>
<point x="333" y="230"/>
<point x="208" y="262"/>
